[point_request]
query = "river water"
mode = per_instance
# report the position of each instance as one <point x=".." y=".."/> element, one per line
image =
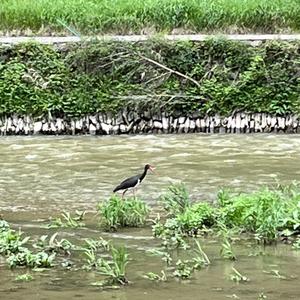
<point x="42" y="176"/>
<point x="64" y="172"/>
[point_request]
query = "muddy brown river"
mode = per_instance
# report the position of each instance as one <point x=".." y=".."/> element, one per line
<point x="42" y="176"/>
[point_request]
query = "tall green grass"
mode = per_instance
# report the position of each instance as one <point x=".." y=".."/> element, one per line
<point x="119" y="16"/>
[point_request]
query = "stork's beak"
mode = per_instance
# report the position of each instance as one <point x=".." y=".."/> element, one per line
<point x="152" y="169"/>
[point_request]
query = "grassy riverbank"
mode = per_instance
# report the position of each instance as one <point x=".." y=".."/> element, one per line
<point x="121" y="17"/>
<point x="210" y="77"/>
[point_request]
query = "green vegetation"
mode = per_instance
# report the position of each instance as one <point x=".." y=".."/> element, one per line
<point x="237" y="276"/>
<point x="115" y="270"/>
<point x="222" y="77"/>
<point x="16" y="249"/>
<point x="67" y="220"/>
<point x="156" y="277"/>
<point x="53" y="244"/>
<point x="104" y="16"/>
<point x="24" y="277"/>
<point x="31" y="260"/>
<point x="267" y="213"/>
<point x="118" y="212"/>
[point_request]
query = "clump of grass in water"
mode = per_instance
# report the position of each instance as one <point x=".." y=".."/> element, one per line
<point x="118" y="212"/>
<point x="184" y="218"/>
<point x="156" y="277"/>
<point x="184" y="269"/>
<point x="226" y="247"/>
<point x="176" y="200"/>
<point x="24" y="277"/>
<point x="12" y="241"/>
<point x="52" y="244"/>
<point x="114" y="270"/>
<point x="266" y="212"/>
<point x="68" y="221"/>
<point x="238" y="277"/>
<point x="31" y="260"/>
<point x="12" y="245"/>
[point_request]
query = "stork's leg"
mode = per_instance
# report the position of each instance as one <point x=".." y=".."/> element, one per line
<point x="124" y="193"/>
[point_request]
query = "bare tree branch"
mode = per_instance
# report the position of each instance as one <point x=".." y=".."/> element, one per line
<point x="169" y="69"/>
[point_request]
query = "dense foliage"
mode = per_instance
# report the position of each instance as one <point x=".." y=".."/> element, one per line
<point x="105" y="16"/>
<point x="214" y="76"/>
<point x="267" y="213"/>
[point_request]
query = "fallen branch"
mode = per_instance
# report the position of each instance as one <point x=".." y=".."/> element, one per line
<point x="169" y="69"/>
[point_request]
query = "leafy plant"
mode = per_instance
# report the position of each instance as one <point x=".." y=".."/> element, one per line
<point x="183" y="269"/>
<point x="170" y="233"/>
<point x="11" y="241"/>
<point x="31" y="260"/>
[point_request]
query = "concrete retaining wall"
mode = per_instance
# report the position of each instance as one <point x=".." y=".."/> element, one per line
<point x="133" y="123"/>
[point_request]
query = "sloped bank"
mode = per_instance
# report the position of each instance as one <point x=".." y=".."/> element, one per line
<point x="111" y="87"/>
<point x="130" y="123"/>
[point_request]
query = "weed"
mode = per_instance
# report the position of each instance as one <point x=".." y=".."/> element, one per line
<point x="238" y="277"/>
<point x="115" y="269"/>
<point x="176" y="200"/>
<point x="12" y="241"/>
<point x="4" y="226"/>
<point x="117" y="212"/>
<point x="201" y="257"/>
<point x="31" y="260"/>
<point x="97" y="244"/>
<point x="170" y="234"/>
<point x="53" y="244"/>
<point x="183" y="269"/>
<point x="91" y="258"/>
<point x="156" y="277"/>
<point x="261" y="296"/>
<point x="266" y="212"/>
<point x="296" y="244"/>
<point x="276" y="274"/>
<point x="184" y="218"/>
<point x="165" y="255"/>
<point x="24" y="277"/>
<point x="68" y="221"/>
<point x="226" y="247"/>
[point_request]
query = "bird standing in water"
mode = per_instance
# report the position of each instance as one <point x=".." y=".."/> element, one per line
<point x="133" y="182"/>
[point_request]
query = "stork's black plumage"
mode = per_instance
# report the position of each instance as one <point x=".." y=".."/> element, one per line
<point x="134" y="181"/>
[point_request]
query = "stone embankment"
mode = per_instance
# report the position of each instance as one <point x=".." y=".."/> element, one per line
<point x="133" y="123"/>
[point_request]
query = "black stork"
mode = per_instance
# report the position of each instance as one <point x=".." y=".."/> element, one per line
<point x="134" y="181"/>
